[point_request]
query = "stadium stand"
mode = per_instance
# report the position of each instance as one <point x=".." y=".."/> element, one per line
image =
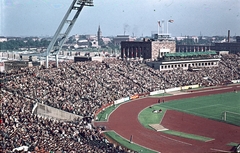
<point x="82" y="88"/>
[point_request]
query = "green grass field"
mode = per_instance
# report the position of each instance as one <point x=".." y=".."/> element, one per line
<point x="146" y="116"/>
<point x="126" y="143"/>
<point x="103" y="115"/>
<point x="187" y="135"/>
<point x="211" y="106"/>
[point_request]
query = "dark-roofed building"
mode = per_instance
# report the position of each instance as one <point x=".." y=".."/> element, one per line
<point x="147" y="49"/>
<point x="232" y="47"/>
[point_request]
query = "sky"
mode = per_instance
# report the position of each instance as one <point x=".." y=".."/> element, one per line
<point x="117" y="17"/>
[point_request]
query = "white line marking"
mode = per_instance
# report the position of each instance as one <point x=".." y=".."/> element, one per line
<point x="218" y="150"/>
<point x="176" y="140"/>
<point x="202" y="107"/>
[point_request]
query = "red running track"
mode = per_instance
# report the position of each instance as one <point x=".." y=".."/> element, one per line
<point x="124" y="121"/>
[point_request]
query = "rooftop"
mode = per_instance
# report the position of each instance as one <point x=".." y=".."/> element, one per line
<point x="190" y="54"/>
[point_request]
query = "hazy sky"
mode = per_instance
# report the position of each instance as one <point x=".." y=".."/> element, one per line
<point x="42" y="17"/>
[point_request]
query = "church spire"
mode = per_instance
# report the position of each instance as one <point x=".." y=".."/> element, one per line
<point x="99" y="34"/>
<point x="99" y="29"/>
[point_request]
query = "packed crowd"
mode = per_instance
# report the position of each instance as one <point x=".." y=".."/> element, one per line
<point x="82" y="88"/>
<point x="22" y="128"/>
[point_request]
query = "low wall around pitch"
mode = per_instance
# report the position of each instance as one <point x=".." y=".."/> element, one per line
<point x="172" y="89"/>
<point x="190" y="87"/>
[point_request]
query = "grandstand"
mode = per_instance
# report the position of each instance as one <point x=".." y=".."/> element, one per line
<point x="82" y="89"/>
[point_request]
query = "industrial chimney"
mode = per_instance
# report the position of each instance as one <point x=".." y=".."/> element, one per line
<point x="228" y="35"/>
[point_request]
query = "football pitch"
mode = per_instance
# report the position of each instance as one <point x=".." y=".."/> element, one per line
<point x="212" y="106"/>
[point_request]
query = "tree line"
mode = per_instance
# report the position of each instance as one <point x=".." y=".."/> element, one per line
<point x="16" y="44"/>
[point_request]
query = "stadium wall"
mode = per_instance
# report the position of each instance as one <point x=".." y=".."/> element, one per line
<point x="157" y="92"/>
<point x="235" y="81"/>
<point x="190" y="87"/>
<point x="48" y="111"/>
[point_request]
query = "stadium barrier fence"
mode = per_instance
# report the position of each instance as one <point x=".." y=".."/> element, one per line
<point x="157" y="92"/>
<point x="134" y="97"/>
<point x="190" y="87"/>
<point x="119" y="101"/>
<point x="235" y="81"/>
<point x="103" y="108"/>
<point x="173" y="89"/>
<point x="144" y="94"/>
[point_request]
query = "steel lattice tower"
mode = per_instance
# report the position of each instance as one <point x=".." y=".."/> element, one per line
<point x="60" y="35"/>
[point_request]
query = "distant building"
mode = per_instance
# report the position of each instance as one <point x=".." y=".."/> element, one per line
<point x="87" y="58"/>
<point x="90" y="37"/>
<point x="162" y="55"/>
<point x="2" y="39"/>
<point x="106" y="40"/>
<point x="32" y="38"/>
<point x="94" y="43"/>
<point x="117" y="40"/>
<point x="147" y="49"/>
<point x="232" y="47"/>
<point x="82" y="44"/>
<point x="14" y="38"/>
<point x="193" y="61"/>
<point x="194" y="48"/>
<point x="16" y="65"/>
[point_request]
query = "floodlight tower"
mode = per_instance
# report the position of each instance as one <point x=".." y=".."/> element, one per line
<point x="60" y="36"/>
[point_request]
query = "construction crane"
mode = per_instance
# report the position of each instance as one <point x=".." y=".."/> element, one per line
<point x="61" y="35"/>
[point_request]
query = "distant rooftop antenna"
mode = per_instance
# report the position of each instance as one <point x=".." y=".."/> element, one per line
<point x="60" y="36"/>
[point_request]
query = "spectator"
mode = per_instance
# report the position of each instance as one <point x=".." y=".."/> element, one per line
<point x="82" y="88"/>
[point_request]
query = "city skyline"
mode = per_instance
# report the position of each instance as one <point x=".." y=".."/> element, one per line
<point x="131" y="17"/>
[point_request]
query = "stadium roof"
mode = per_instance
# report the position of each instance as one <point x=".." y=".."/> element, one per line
<point x="189" y="54"/>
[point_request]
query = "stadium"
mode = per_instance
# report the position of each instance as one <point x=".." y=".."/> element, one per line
<point x="140" y="102"/>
